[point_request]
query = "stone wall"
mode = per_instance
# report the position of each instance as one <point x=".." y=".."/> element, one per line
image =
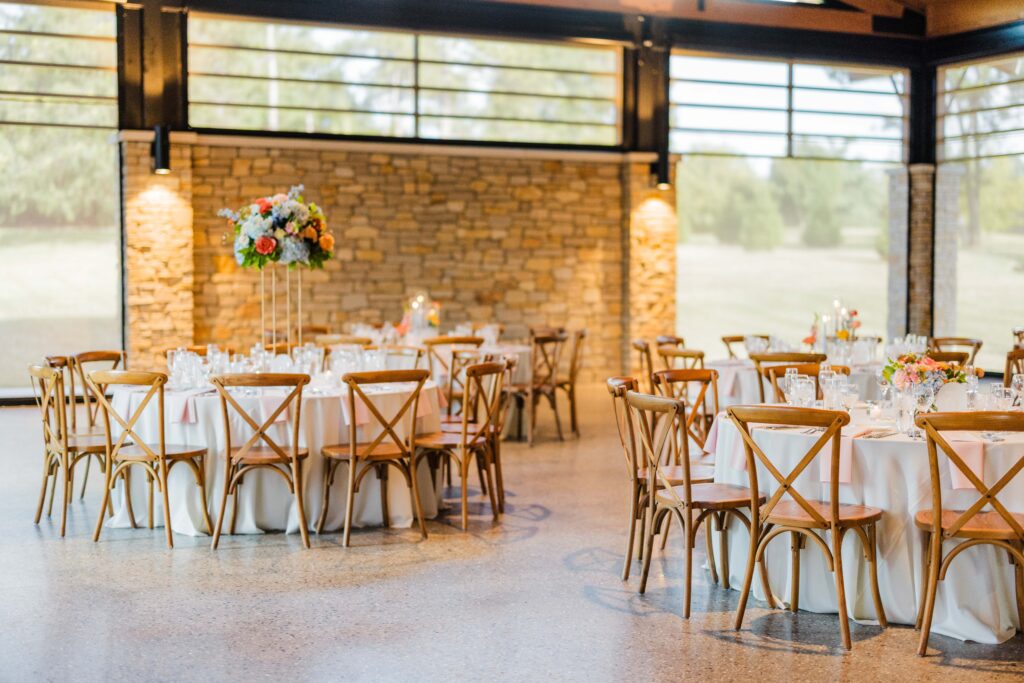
<point x="922" y="194"/>
<point x="515" y="237"/>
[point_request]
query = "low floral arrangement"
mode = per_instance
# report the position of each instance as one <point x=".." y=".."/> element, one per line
<point x="911" y="370"/>
<point x="280" y="229"/>
<point x="848" y="326"/>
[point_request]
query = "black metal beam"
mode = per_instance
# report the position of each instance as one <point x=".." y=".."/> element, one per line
<point x="921" y="134"/>
<point x="129" y="67"/>
<point x="986" y="42"/>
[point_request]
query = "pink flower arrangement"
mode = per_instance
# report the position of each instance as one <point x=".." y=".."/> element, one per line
<point x="910" y="370"/>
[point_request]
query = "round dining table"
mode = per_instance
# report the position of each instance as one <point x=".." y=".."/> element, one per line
<point x="738" y="380"/>
<point x="890" y="471"/>
<point x="194" y="418"/>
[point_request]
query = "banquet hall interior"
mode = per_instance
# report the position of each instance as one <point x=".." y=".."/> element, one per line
<point x="563" y="340"/>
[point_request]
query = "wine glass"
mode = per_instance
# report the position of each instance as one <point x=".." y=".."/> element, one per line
<point x="924" y="396"/>
<point x="1017" y="385"/>
<point x="848" y="396"/>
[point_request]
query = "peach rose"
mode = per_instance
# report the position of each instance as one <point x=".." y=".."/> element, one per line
<point x="309" y="233"/>
<point x="327" y="242"/>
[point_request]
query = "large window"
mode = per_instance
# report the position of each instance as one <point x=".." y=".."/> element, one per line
<point x="791" y="193"/>
<point x="59" y="232"/>
<point x="980" y="204"/>
<point x="314" y="79"/>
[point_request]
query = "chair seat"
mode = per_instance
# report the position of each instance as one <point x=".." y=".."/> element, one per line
<point x="451" y="419"/>
<point x="171" y="452"/>
<point x="385" y="450"/>
<point x="260" y="455"/>
<point x="699" y="474"/>
<point x="989" y="525"/>
<point x="710" y="496"/>
<point x="442" y="440"/>
<point x="87" y="443"/>
<point x="789" y="513"/>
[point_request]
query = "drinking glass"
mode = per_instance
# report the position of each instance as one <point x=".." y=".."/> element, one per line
<point x="805" y="393"/>
<point x="1001" y="398"/>
<point x="1017" y="385"/>
<point x="848" y="396"/>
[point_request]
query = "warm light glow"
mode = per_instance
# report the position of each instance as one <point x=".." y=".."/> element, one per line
<point x="161" y="171"/>
<point x="664" y="186"/>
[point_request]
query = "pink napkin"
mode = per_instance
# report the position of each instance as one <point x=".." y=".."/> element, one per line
<point x="972" y="452"/>
<point x="181" y="405"/>
<point x="845" y="459"/>
<point x="727" y="380"/>
<point x="269" y="402"/>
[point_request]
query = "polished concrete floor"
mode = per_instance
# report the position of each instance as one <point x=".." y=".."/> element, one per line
<point x="536" y="597"/>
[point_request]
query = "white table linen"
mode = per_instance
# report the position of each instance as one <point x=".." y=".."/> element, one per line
<point x="975" y="602"/>
<point x="737" y="382"/>
<point x="264" y="501"/>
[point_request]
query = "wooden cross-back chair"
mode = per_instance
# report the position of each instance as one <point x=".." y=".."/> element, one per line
<point x="698" y="390"/>
<point x="438" y="351"/>
<point x="79" y="365"/>
<point x="1014" y="365"/>
<point x="966" y="344"/>
<point x="731" y="339"/>
<point x="545" y="354"/>
<point x="261" y="450"/>
<point x="1018" y="336"/>
<point x="66" y="366"/>
<point x="761" y="360"/>
<point x="568" y="384"/>
<point x="977" y="525"/>
<point x="773" y="373"/>
<point x="675" y="358"/>
<point x="62" y="448"/>
<point x="788" y="511"/>
<point x="645" y="362"/>
<point x="409" y="357"/>
<point x="130" y="450"/>
<point x="387" y="449"/>
<point x="459" y="360"/>
<point x="335" y="339"/>
<point x="482" y="389"/>
<point x="955" y="358"/>
<point x="670" y="340"/>
<point x="657" y="420"/>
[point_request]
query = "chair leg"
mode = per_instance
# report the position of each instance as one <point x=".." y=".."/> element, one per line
<point x="85" y="476"/>
<point x="748" y="576"/>
<point x="126" y="477"/>
<point x="531" y="418"/>
<point x="934" y="560"/>
<point x="572" y="411"/>
<point x="42" y="489"/>
<point x="53" y="489"/>
<point x="499" y="479"/>
<point x="201" y="467"/>
<point x="688" y="542"/>
<point x="417" y="504"/>
<point x="480" y="475"/>
<point x="382" y="479"/>
<point x="1019" y="579"/>
<point x="642" y="510"/>
<point x="464" y="470"/>
<point x="648" y="542"/>
<point x="330" y="465"/>
<point x="300" y="501"/>
<point x="723" y="547"/>
<point x="234" y="507"/>
<point x="108" y="483"/>
<point x="552" y="398"/>
<point x="665" y="526"/>
<point x="65" y="500"/>
<point x="710" y="546"/>
<point x="167" y="504"/>
<point x="872" y="532"/>
<point x="631" y="538"/>
<point x="795" y="544"/>
<point x="149" y="499"/>
<point x="353" y="464"/>
<point x="925" y="557"/>
<point x="490" y="486"/>
<point x="223" y="508"/>
<point x="837" y="559"/>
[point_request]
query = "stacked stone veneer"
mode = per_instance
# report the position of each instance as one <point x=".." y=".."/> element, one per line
<point x="520" y="238"/>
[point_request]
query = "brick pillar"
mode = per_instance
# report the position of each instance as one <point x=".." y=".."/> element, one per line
<point x="922" y="196"/>
<point x="158" y="252"/>
<point x="650" y="281"/>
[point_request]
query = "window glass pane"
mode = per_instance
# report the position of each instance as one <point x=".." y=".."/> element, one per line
<point x="259" y="75"/>
<point x="979" y="205"/>
<point x="728" y="70"/>
<point x="846" y="78"/>
<point x="714" y="118"/>
<point x="685" y="92"/>
<point x="821" y="147"/>
<point x="60" y="151"/>
<point x="852" y="102"/>
<point x="765" y="244"/>
<point x="728" y="143"/>
<point x="849" y="126"/>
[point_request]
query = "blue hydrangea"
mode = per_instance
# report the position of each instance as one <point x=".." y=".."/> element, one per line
<point x="256" y="227"/>
<point x="241" y="242"/>
<point x="294" y="250"/>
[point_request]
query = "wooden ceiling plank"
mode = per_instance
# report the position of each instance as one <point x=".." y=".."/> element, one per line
<point x="881" y="8"/>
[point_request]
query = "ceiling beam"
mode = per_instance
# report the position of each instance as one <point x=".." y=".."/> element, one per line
<point x="880" y="8"/>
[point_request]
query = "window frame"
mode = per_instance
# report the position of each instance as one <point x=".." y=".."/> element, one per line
<point x="621" y="90"/>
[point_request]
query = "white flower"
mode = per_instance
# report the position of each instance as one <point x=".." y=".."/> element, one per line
<point x="256" y="226"/>
<point x="294" y="249"/>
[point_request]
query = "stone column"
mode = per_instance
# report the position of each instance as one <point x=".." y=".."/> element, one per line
<point x="650" y="277"/>
<point x="158" y="252"/>
<point x="922" y="199"/>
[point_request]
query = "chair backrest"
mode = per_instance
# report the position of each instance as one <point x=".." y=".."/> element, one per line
<point x="934" y="424"/>
<point x="731" y="339"/>
<point x="387" y="424"/>
<point x="335" y="339"/>
<point x="228" y="403"/>
<point x="959" y="358"/>
<point x="675" y="358"/>
<point x="658" y="422"/>
<point x="1018" y="336"/>
<point x="507" y="391"/>
<point x="772" y="373"/>
<point x="482" y="401"/>
<point x="778" y="357"/>
<point x="48" y="391"/>
<point x="100" y="380"/>
<point x="643" y="350"/>
<point x="830" y="421"/>
<point x="966" y="344"/>
<point x="670" y="340"/>
<point x="1014" y="365"/>
<point x="696" y="388"/>
<point x="84" y="363"/>
<point x="545" y="352"/>
<point x="579" y="338"/>
<point x="617" y="388"/>
<point x="280" y="348"/>
<point x="406" y="356"/>
<point x="459" y="361"/>
<point x="439" y="351"/>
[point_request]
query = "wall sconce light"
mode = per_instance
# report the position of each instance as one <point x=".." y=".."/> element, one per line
<point x="160" y="150"/>
<point x="660" y="171"/>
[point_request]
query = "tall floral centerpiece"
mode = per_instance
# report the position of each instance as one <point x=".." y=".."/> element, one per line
<point x="280" y="229"/>
<point x="910" y="370"/>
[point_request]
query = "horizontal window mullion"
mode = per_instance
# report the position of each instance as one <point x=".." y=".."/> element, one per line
<point x="62" y="36"/>
<point x="968" y="136"/>
<point x="729" y="131"/>
<point x="980" y="86"/>
<point x="86" y="67"/>
<point x="292" y="79"/>
<point x="482" y="117"/>
<point x="292" y="107"/>
<point x="512" y="93"/>
<point x="53" y="124"/>
<point x="19" y="95"/>
<point x="733" y="107"/>
<point x="305" y="53"/>
<point x="547" y="69"/>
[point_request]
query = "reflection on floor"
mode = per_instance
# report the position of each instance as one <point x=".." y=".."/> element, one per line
<point x="537" y="597"/>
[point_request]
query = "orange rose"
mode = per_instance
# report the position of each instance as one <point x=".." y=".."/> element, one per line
<point x="309" y="233"/>
<point x="327" y="242"/>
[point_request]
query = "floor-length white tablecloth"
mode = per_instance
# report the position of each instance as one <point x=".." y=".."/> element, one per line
<point x="737" y="382"/>
<point x="264" y="502"/>
<point x="975" y="602"/>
